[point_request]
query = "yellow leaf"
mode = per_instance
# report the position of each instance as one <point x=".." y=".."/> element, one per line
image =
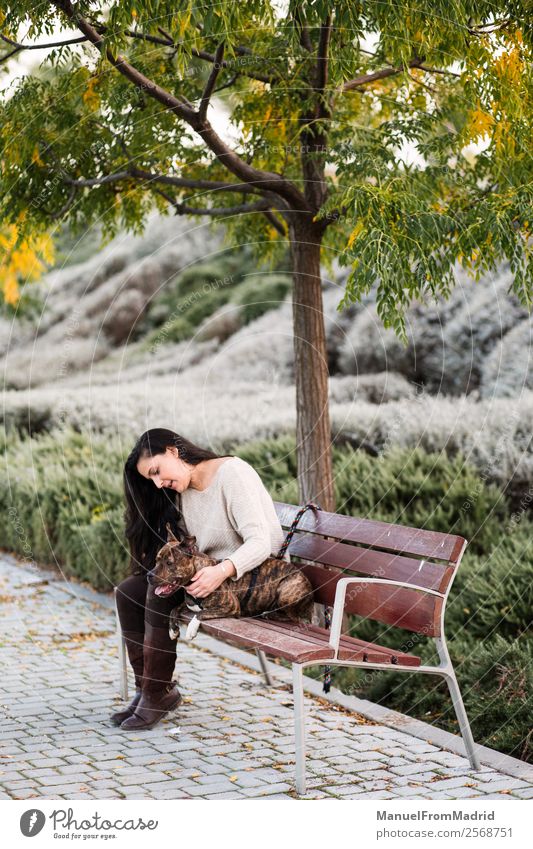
<point x="479" y="124"/>
<point x="233" y="777"/>
<point x="35" y="156"/>
<point x="355" y="232"/>
<point x="91" y="98"/>
<point x="184" y="22"/>
<point x="24" y="259"/>
<point x="509" y="66"/>
<point x="11" y="289"/>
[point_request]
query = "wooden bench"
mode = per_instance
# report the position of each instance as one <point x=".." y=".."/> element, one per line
<point x="394" y="574"/>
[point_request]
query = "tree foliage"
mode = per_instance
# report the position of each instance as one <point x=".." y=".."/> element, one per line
<point x="403" y="127"/>
<point x="22" y="258"/>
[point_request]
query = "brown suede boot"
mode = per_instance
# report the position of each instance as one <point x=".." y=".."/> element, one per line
<point x="135" y="648"/>
<point x="159" y="693"/>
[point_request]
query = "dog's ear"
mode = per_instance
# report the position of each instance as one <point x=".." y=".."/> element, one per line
<point x="188" y="543"/>
<point x="170" y="535"/>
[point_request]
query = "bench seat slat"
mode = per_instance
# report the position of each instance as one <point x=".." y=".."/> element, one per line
<point x="299" y="642"/>
<point x="349" y="646"/>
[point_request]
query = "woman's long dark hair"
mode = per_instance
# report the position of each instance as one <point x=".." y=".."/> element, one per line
<point x="149" y="508"/>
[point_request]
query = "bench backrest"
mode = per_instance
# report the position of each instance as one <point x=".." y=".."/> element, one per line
<point x="331" y="546"/>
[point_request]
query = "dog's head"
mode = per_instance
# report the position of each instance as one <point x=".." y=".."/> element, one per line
<point x="174" y="565"/>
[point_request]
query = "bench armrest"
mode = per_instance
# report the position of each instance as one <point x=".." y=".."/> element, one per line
<point x="340" y="599"/>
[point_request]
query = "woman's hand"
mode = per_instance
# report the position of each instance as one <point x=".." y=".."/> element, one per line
<point x="207" y="580"/>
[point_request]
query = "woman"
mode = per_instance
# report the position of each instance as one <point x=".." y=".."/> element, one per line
<point x="223" y="502"/>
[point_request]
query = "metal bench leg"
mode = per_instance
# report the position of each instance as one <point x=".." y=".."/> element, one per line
<point x="299" y="726"/>
<point x="455" y="693"/>
<point x="122" y="660"/>
<point x="464" y="725"/>
<point x="264" y="669"/>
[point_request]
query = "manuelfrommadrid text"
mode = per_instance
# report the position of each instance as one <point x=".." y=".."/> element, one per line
<point x="429" y="815"/>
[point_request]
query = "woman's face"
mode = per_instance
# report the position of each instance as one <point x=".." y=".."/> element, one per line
<point x="166" y="470"/>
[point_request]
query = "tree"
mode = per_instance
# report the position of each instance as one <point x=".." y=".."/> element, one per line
<point x="322" y="99"/>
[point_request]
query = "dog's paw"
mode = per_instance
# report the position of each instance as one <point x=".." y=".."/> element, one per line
<point x="174" y="632"/>
<point x="192" y="628"/>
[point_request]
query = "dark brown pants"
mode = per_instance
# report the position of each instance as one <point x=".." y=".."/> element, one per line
<point x="137" y="603"/>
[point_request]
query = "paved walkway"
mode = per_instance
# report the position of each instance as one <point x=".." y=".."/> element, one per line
<point x="232" y="738"/>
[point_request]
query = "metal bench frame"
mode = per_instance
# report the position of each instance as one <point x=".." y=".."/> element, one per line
<point x="444" y="669"/>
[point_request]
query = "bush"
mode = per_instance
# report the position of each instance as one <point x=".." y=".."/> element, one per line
<point x="412" y="487"/>
<point x="193" y="286"/>
<point x="61" y="502"/>
<point x="175" y="330"/>
<point x="185" y="325"/>
<point x="261" y="293"/>
<point x="495" y="679"/>
<point x="199" y="290"/>
<point x="493" y="594"/>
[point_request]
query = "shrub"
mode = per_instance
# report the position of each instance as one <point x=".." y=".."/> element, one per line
<point x="494" y="593"/>
<point x="495" y="679"/>
<point x="261" y="293"/>
<point x="61" y="502"/>
<point x="412" y="487"/>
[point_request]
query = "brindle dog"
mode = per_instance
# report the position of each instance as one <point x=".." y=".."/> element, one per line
<point x="275" y="587"/>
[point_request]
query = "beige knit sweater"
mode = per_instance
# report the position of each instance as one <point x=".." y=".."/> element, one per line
<point x="234" y="517"/>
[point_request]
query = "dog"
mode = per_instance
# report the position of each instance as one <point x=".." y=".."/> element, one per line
<point x="275" y="588"/>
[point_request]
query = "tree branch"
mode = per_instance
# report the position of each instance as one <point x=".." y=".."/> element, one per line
<point x="229" y="83"/>
<point x="55" y="216"/>
<point x="50" y="44"/>
<point x="494" y="26"/>
<point x="260" y="206"/>
<point x="276" y="223"/>
<point x="305" y="38"/>
<point x="210" y="85"/>
<point x="437" y="71"/>
<point x="322" y="67"/>
<point x="90" y="182"/>
<point x="229" y="158"/>
<point x="364" y="79"/>
<point x="180" y="182"/>
<point x="166" y="179"/>
<point x="209" y="57"/>
<point x="183" y="209"/>
<point x="168" y="41"/>
<point x="187" y="183"/>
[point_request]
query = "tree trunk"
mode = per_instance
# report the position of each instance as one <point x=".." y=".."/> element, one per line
<point x="313" y="429"/>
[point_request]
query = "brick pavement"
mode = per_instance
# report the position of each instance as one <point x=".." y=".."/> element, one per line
<point x="232" y="738"/>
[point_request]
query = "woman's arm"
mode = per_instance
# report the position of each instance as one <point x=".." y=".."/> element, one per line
<point x="209" y="579"/>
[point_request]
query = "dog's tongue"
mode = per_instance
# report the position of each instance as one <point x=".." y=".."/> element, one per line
<point x="163" y="589"/>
